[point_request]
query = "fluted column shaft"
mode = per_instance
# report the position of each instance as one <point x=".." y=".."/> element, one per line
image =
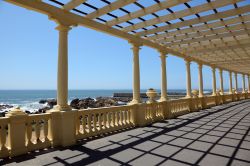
<point x="200" y="81"/>
<point x="136" y="73"/>
<point x="230" y="83"/>
<point x="188" y="79"/>
<point x="236" y="82"/>
<point x="221" y="81"/>
<point x="163" y="76"/>
<point x="214" y="81"/>
<point x="243" y="83"/>
<point x="62" y="72"/>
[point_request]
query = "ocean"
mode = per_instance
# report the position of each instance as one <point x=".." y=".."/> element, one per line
<point x="29" y="99"/>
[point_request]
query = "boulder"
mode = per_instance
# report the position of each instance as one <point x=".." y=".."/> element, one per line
<point x="43" y="110"/>
<point x="74" y="103"/>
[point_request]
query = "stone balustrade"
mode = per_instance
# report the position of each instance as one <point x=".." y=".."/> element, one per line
<point x="21" y="133"/>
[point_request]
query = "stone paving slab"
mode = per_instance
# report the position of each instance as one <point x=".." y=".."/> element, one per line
<point x="214" y="137"/>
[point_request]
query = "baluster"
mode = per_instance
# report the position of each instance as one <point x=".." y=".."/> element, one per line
<point x="3" y="135"/>
<point x="121" y="118"/>
<point x="78" y="119"/>
<point x="37" y="132"/>
<point x="105" y="120"/>
<point x="94" y="122"/>
<point x="100" y="121"/>
<point x="129" y="116"/>
<point x="83" y="124"/>
<point x="109" y="119"/>
<point x="116" y="119"/>
<point x="29" y="133"/>
<point x="113" y="119"/>
<point x="45" y="130"/>
<point x="89" y="123"/>
<point x="125" y="117"/>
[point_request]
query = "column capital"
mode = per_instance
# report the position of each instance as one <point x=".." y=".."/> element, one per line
<point x="200" y="65"/>
<point x="187" y="60"/>
<point x="64" y="28"/>
<point x="213" y="68"/>
<point x="162" y="51"/>
<point x="135" y="43"/>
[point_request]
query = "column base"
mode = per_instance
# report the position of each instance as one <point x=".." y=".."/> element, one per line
<point x="134" y="101"/>
<point x="163" y="99"/>
<point x="59" y="108"/>
<point x="188" y="96"/>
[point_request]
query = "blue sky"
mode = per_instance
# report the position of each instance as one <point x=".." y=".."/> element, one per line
<point x="29" y="46"/>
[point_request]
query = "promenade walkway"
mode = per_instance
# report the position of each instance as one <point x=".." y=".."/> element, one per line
<point x="216" y="136"/>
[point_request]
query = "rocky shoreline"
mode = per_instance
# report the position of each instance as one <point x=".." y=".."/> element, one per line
<point x="79" y="103"/>
<point x="75" y="104"/>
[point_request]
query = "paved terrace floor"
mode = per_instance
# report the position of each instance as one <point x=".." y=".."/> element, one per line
<point x="213" y="137"/>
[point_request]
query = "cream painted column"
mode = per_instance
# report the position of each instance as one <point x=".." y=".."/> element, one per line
<point x="136" y="73"/>
<point x="230" y="83"/>
<point x="188" y="79"/>
<point x="236" y="82"/>
<point x="243" y="83"/>
<point x="248" y="83"/>
<point x="221" y="81"/>
<point x="163" y="76"/>
<point x="62" y="71"/>
<point x="200" y="80"/>
<point x="214" y="81"/>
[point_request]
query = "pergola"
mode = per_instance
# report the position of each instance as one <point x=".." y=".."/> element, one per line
<point x="213" y="33"/>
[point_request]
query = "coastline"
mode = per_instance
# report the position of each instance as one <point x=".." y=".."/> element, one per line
<point x="39" y="101"/>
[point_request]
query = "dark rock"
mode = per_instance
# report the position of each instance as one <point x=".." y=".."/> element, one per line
<point x="51" y="102"/>
<point x="43" y="101"/>
<point x="74" y="103"/>
<point x="43" y="110"/>
<point x="27" y="112"/>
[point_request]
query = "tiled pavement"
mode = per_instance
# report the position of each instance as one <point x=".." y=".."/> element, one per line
<point x="212" y="137"/>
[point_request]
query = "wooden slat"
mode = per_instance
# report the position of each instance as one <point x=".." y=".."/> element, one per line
<point x="191" y="49"/>
<point x="72" y="4"/>
<point x="228" y="13"/>
<point x="205" y="33"/>
<point x="208" y="50"/>
<point x="202" y="27"/>
<point x="111" y="7"/>
<point x="180" y="14"/>
<point x="203" y="38"/>
<point x="151" y="9"/>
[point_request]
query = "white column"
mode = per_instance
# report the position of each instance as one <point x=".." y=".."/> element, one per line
<point x="163" y="76"/>
<point x="248" y="83"/>
<point x="214" y="81"/>
<point x="230" y="83"/>
<point x="221" y="81"/>
<point x="136" y="73"/>
<point x="188" y="79"/>
<point x="236" y="82"/>
<point x="200" y="80"/>
<point x="243" y="83"/>
<point x="62" y="73"/>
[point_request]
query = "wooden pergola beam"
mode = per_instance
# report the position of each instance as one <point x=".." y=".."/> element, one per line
<point x="151" y="9"/>
<point x="205" y="34"/>
<point x="219" y="15"/>
<point x="109" y="8"/>
<point x="71" y="19"/>
<point x="208" y="50"/>
<point x="212" y="37"/>
<point x="72" y="4"/>
<point x="204" y="27"/>
<point x="200" y="48"/>
<point x="179" y="14"/>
